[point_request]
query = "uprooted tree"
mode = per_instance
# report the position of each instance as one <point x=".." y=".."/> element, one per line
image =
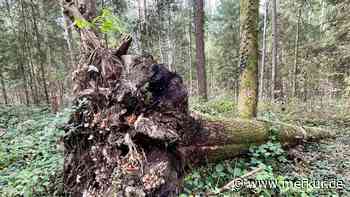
<point x="131" y="133"/>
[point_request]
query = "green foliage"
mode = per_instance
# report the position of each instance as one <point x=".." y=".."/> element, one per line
<point x="211" y="177"/>
<point x="268" y="156"/>
<point x="82" y="23"/>
<point x="218" y="106"/>
<point x="31" y="164"/>
<point x="107" y="22"/>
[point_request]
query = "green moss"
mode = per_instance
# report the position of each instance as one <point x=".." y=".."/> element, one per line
<point x="247" y="102"/>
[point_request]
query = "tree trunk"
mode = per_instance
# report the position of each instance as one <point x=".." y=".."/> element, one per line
<point x="32" y="76"/>
<point x="274" y="49"/>
<point x="296" y="54"/>
<point x="3" y="88"/>
<point x="41" y="54"/>
<point x="200" y="54"/>
<point x="263" y="57"/>
<point x="26" y="55"/>
<point x="132" y="134"/>
<point x="21" y="52"/>
<point x="24" y="77"/>
<point x="226" y="138"/>
<point x="190" y="85"/>
<point x="247" y="101"/>
<point x="170" y="44"/>
<point x="68" y="39"/>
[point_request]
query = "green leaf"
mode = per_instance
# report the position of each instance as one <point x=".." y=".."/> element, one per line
<point x="237" y="172"/>
<point x="219" y="168"/>
<point x="82" y="23"/>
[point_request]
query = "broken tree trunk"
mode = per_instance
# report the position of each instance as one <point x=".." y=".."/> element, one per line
<point x="131" y="133"/>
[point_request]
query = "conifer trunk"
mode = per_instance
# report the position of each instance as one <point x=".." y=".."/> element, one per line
<point x="296" y="56"/>
<point x="274" y="49"/>
<point x="200" y="55"/>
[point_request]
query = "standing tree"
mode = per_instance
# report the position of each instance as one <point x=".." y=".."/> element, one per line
<point x="274" y="49"/>
<point x="3" y="88"/>
<point x="263" y="57"/>
<point x="200" y="55"/>
<point x="249" y="16"/>
<point x="296" y="55"/>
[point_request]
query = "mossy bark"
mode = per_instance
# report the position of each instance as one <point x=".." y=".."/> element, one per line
<point x="226" y="138"/>
<point x="247" y="101"/>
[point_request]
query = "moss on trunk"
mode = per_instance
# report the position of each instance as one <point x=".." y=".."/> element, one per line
<point x="227" y="138"/>
<point x="247" y="101"/>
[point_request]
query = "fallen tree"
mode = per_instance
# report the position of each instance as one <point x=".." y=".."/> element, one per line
<point x="131" y="133"/>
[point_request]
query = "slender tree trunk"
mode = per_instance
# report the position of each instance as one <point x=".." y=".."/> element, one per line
<point x="169" y="39"/>
<point x="296" y="55"/>
<point x="24" y="73"/>
<point x="3" y="88"/>
<point x="141" y="26"/>
<point x="263" y="57"/>
<point x="160" y="33"/>
<point x="68" y="39"/>
<point x="190" y="16"/>
<point x="274" y="49"/>
<point x="41" y="53"/>
<point x="26" y="55"/>
<point x="145" y="25"/>
<point x="18" y="96"/>
<point x="32" y="75"/>
<point x="21" y="52"/>
<point x="249" y="16"/>
<point x="200" y="54"/>
<point x="53" y="96"/>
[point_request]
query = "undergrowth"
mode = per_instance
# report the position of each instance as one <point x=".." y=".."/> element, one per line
<point x="278" y="166"/>
<point x="31" y="161"/>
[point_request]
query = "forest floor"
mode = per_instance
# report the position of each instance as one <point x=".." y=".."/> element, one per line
<point x="31" y="156"/>
<point x="326" y="161"/>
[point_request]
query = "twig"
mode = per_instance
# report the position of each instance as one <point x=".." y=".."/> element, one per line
<point x="229" y="185"/>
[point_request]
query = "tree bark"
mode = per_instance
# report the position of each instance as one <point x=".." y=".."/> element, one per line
<point x="26" y="54"/>
<point x="190" y="16"/>
<point x="263" y="57"/>
<point x="3" y="89"/>
<point x="68" y="39"/>
<point x="200" y="54"/>
<point x="21" y="53"/>
<point x="41" y="54"/>
<point x="247" y="101"/>
<point x="296" y="54"/>
<point x="221" y="139"/>
<point x="170" y="44"/>
<point x="274" y="49"/>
